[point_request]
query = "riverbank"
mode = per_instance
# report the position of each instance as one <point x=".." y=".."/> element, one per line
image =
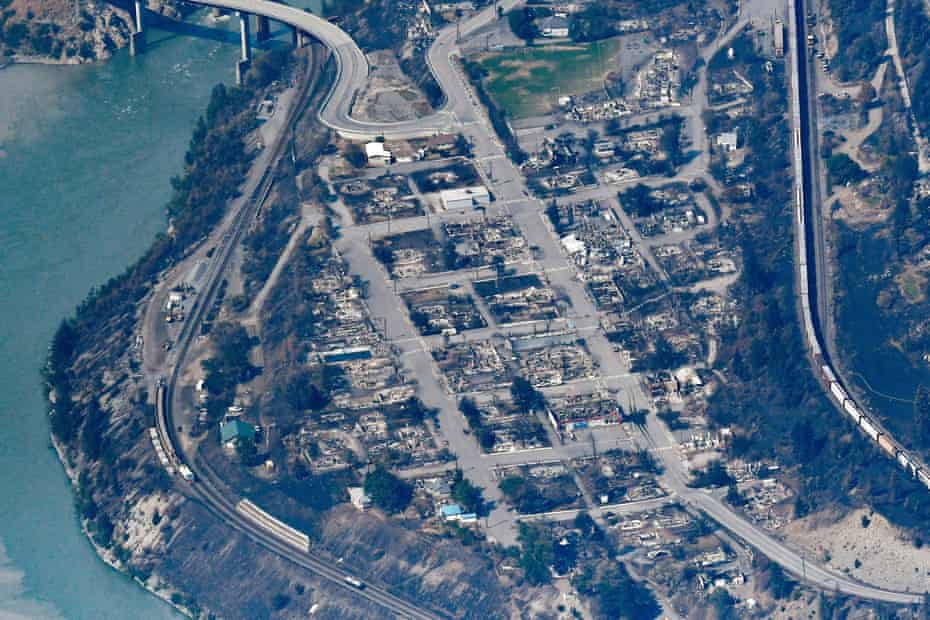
<point x="138" y="521"/>
<point x="71" y="138"/>
<point x="43" y="60"/>
<point x="106" y="555"/>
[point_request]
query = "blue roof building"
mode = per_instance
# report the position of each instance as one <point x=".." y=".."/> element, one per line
<point x="450" y="512"/>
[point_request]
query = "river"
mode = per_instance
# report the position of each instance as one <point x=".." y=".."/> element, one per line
<point x="86" y="154"/>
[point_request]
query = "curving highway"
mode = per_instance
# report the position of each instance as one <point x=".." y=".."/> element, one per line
<point x="208" y="488"/>
<point x="352" y="71"/>
<point x="458" y="111"/>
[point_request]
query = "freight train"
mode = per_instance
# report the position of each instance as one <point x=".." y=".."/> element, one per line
<point x="873" y="431"/>
<point x="868" y="425"/>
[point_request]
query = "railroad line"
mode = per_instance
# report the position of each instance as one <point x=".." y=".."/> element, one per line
<point x="263" y="530"/>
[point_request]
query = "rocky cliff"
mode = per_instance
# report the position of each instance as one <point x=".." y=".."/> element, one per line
<point x="66" y="31"/>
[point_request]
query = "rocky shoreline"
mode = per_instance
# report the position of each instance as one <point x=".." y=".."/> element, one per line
<point x="53" y="34"/>
<point x="107" y="556"/>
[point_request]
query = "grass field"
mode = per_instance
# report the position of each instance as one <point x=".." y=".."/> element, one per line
<point x="527" y="81"/>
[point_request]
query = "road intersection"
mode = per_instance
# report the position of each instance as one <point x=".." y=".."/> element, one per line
<point x="461" y="111"/>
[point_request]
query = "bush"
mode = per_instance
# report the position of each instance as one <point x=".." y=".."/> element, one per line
<point x="714" y="476"/>
<point x="525" y="396"/>
<point x="387" y="491"/>
<point x="843" y="170"/>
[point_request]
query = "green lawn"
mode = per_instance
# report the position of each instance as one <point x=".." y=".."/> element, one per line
<point x="527" y="81"/>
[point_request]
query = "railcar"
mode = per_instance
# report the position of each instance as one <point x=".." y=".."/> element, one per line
<point x="870" y="429"/>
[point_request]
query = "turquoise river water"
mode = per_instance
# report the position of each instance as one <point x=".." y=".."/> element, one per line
<point x="86" y="154"/>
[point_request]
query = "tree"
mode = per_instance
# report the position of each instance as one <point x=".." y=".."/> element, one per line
<point x="500" y="268"/>
<point x="387" y="491"/>
<point x="734" y="497"/>
<point x="466" y="494"/>
<point x="922" y="414"/>
<point x="774" y="578"/>
<point x="522" y="23"/>
<point x="247" y="451"/>
<point x="420" y="320"/>
<point x="472" y="414"/>
<point x="525" y="396"/>
<point x="355" y="156"/>
<point x="91" y="432"/>
<point x="715" y="475"/>
<point x="486" y="439"/>
<point x="844" y="170"/>
<point x="721" y="602"/>
<point x="619" y="596"/>
<point x="230" y="365"/>
<point x="302" y="394"/>
<point x="537" y="555"/>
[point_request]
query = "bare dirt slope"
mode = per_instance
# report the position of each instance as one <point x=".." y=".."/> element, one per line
<point x="885" y="557"/>
<point x="390" y="95"/>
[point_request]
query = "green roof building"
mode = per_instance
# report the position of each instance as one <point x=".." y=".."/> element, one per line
<point x="235" y="431"/>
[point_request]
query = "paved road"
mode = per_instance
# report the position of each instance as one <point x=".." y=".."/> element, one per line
<point x="353" y="70"/>
<point x="215" y="496"/>
<point x="461" y="110"/>
<point x="777" y="551"/>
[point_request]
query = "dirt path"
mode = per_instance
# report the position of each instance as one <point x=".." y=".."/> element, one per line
<point x="923" y="160"/>
<point x="855" y="137"/>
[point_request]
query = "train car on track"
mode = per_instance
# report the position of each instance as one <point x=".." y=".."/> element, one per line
<point x="274" y="526"/>
<point x="923" y="477"/>
<point x="839" y="393"/>
<point x="870" y="429"/>
<point x="852" y="410"/>
<point x="887" y="446"/>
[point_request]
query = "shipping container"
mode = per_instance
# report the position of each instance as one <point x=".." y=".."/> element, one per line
<point x="828" y="374"/>
<point x="851" y="409"/>
<point x="838" y="393"/>
<point x="868" y="427"/>
<point x="885" y="444"/>
<point x="904" y="462"/>
<point x="923" y="477"/>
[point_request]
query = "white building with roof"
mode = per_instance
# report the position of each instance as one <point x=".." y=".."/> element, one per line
<point x="554" y="27"/>
<point x="728" y="141"/>
<point x="377" y="155"/>
<point x="359" y="499"/>
<point x="465" y="197"/>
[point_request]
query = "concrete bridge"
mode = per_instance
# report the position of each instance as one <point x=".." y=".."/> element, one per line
<point x="351" y="66"/>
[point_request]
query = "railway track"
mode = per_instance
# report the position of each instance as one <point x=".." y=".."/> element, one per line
<point x="811" y="285"/>
<point x="203" y="483"/>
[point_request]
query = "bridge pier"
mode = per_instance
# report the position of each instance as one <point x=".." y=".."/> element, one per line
<point x="137" y="37"/>
<point x="299" y="38"/>
<point x="263" y="29"/>
<point x="246" y="60"/>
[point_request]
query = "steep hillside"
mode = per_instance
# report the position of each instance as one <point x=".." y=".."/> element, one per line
<point x="65" y="31"/>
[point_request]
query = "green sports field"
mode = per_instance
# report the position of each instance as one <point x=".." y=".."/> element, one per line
<point x="527" y="81"/>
